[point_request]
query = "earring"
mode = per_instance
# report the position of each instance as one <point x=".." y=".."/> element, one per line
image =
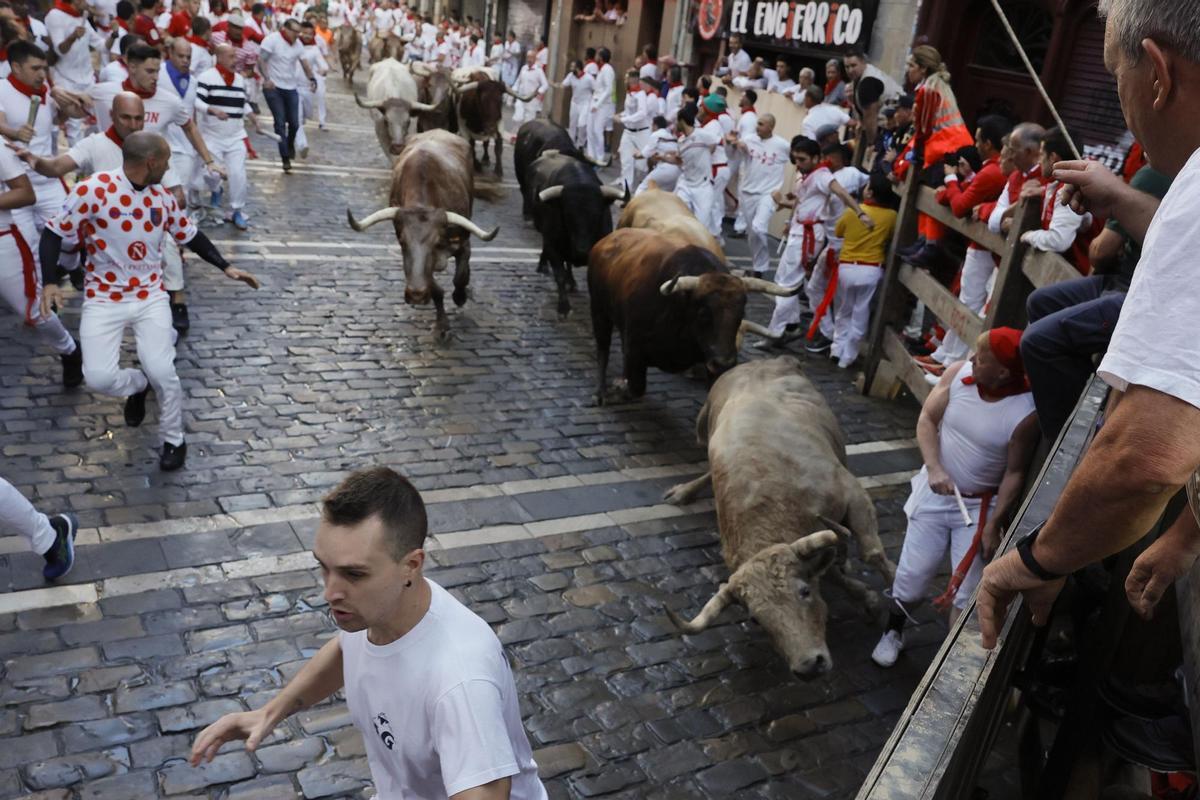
<point x="407" y="584"/>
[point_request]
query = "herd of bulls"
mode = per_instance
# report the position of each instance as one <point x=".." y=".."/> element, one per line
<point x="787" y="505"/>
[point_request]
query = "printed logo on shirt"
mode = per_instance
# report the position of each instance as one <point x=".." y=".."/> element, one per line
<point x="384" y="730"/>
<point x="137" y="250"/>
<point x="156" y="216"/>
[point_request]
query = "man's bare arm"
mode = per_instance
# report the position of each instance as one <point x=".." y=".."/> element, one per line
<point x="932" y="411"/>
<point x="496" y="790"/>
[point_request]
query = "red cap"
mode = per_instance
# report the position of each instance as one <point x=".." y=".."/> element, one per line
<point x="1005" y="344"/>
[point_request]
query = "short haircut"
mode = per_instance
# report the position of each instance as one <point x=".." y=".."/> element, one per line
<point x="1026" y="136"/>
<point x="307" y="24"/>
<point x="692" y="92"/>
<point x="651" y="51"/>
<point x="856" y="52"/>
<point x="590" y="52"/>
<point x="803" y="144"/>
<point x="1056" y="142"/>
<point x="141" y="52"/>
<point x="292" y="22"/>
<point x="970" y="155"/>
<point x="816" y="93"/>
<point x="142" y="145"/>
<point x="125" y="9"/>
<point x="882" y="192"/>
<point x="129" y="40"/>
<point x="200" y="25"/>
<point x="675" y="73"/>
<point x="1172" y="23"/>
<point x="384" y="493"/>
<point x="688" y="114"/>
<point x="659" y="121"/>
<point x="258" y="8"/>
<point x="722" y="91"/>
<point x="21" y="51"/>
<point x="752" y="95"/>
<point x="993" y="128"/>
<point x="604" y="53"/>
<point x="147" y="5"/>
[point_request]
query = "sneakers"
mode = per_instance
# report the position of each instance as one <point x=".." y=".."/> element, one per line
<point x="172" y="457"/>
<point x="135" y="408"/>
<point x="179" y="318"/>
<point x="239" y="220"/>
<point x="217" y="197"/>
<point x="819" y="344"/>
<point x="61" y="555"/>
<point x="72" y="367"/>
<point x="287" y="165"/>
<point x="891" y="644"/>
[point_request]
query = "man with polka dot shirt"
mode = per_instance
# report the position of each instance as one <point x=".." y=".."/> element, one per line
<point x="123" y="218"/>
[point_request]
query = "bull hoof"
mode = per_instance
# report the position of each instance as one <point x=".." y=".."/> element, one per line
<point x="564" y="314"/>
<point x="598" y="399"/>
<point x="543" y="268"/>
<point x="459" y="296"/>
<point x="618" y="395"/>
<point x="487" y="159"/>
<point x="677" y="495"/>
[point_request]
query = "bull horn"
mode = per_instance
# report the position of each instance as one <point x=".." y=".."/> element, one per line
<point x="758" y="330"/>
<point x="422" y="108"/>
<point x="367" y="103"/>
<point x="550" y="193"/>
<point x="420" y="69"/>
<point x="680" y="283"/>
<point x="521" y="97"/>
<point x="807" y="545"/>
<point x="597" y="162"/>
<point x="471" y="227"/>
<point x="611" y="193"/>
<point x="771" y="288"/>
<point x="466" y="87"/>
<point x="711" y="610"/>
<point x="379" y="216"/>
<point x="836" y="527"/>
<point x="549" y="152"/>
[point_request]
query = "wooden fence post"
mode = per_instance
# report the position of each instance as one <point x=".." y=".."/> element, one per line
<point x="890" y="300"/>
<point x="1012" y="288"/>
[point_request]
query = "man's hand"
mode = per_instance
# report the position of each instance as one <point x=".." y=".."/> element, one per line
<point x="24" y="134"/>
<point x="865" y="219"/>
<point x="1033" y="188"/>
<point x="216" y="169"/>
<point x="52" y="296"/>
<point x="1002" y="580"/>
<point x="218" y="113"/>
<point x="1090" y="186"/>
<point x="989" y="540"/>
<point x="312" y="82"/>
<point x="268" y="84"/>
<point x="23" y="154"/>
<point x="247" y="278"/>
<point x="940" y="481"/>
<point x="253" y="726"/>
<point x="1162" y="563"/>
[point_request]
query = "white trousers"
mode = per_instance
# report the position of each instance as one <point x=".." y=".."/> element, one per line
<point x="757" y="210"/>
<point x="717" y="211"/>
<point x="525" y="110"/>
<point x="816" y="287"/>
<point x="855" y="290"/>
<point x="741" y="222"/>
<point x="50" y="196"/>
<point x="790" y="272"/>
<point x="935" y="525"/>
<point x="49" y="328"/>
<point x="697" y="197"/>
<point x="231" y="154"/>
<point x="577" y="126"/>
<point x="596" y="126"/>
<point x="978" y="268"/>
<point x="101" y="329"/>
<point x="630" y="150"/>
<point x="18" y="516"/>
<point x="664" y="175"/>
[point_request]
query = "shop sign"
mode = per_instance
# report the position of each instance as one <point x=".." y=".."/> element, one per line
<point x="838" y="25"/>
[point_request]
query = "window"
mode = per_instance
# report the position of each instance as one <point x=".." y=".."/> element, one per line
<point x="1034" y="27"/>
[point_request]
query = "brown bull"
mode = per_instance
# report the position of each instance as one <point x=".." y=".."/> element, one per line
<point x="480" y="107"/>
<point x="348" y="43"/>
<point x="662" y="211"/>
<point x="433" y="186"/>
<point x="777" y="463"/>
<point x="675" y="304"/>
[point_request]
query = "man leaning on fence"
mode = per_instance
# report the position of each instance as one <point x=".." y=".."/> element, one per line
<point x="1150" y="444"/>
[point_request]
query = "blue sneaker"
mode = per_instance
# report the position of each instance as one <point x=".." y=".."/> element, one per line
<point x="61" y="555"/>
<point x="217" y="197"/>
<point x="239" y="220"/>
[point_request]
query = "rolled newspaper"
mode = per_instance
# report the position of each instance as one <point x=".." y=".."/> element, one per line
<point x="962" y="507"/>
<point x="34" y="102"/>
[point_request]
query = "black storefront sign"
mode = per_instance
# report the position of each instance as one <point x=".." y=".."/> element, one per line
<point x="831" y="26"/>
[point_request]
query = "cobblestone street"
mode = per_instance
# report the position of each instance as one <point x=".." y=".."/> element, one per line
<point x="195" y="592"/>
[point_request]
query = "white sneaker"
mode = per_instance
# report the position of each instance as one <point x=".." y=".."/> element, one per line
<point x="889" y="648"/>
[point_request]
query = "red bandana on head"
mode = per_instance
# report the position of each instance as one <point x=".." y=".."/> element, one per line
<point x="1005" y="344"/>
<point x="129" y="87"/>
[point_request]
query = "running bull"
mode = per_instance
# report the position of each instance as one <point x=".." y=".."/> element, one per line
<point x="392" y="92"/>
<point x="479" y="105"/>
<point x="533" y="139"/>
<point x="433" y="187"/>
<point x="675" y="303"/>
<point x="786" y="507"/>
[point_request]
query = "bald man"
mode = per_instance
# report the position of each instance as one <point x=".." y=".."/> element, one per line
<point x="221" y="108"/>
<point x="98" y="152"/>
<point x="124" y="217"/>
<point x="765" y="157"/>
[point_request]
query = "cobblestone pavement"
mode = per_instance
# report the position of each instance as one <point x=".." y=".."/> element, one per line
<point x="195" y="595"/>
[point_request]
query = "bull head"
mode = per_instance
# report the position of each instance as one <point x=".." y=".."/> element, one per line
<point x="780" y="587"/>
<point x="392" y="125"/>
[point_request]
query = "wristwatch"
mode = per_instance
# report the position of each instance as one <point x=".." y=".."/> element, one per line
<point x="1025" y="551"/>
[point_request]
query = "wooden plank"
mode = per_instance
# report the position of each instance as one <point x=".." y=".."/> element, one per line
<point x="948" y="308"/>
<point x="906" y="369"/>
<point x="975" y="231"/>
<point x="1044" y="269"/>
<point x="944" y="735"/>
<point x="1012" y="288"/>
<point x="890" y="300"/>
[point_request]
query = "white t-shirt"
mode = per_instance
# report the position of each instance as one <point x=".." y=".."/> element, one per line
<point x="763" y="164"/>
<point x="812" y="195"/>
<point x="853" y="180"/>
<point x="1154" y="343"/>
<point x="438" y="708"/>
<point x="97" y="153"/>
<point x="114" y="72"/>
<point x="11" y="168"/>
<point x="820" y="116"/>
<point x="15" y="106"/>
<point x="163" y="110"/>
<point x="282" y="60"/>
<point x="75" y="65"/>
<point x="581" y="88"/>
<point x="696" y="152"/>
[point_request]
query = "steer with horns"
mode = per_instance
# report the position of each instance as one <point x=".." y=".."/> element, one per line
<point x="534" y="138"/>
<point x="676" y="305"/>
<point x="392" y="92"/>
<point x="433" y="187"/>
<point x="786" y="507"/>
<point x="479" y="105"/>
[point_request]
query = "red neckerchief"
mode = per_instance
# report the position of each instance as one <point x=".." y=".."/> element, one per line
<point x="3" y="54"/>
<point x="830" y="86"/>
<point x="1018" y="384"/>
<point x="652" y="61"/>
<point x="1049" y="201"/>
<point x="67" y="8"/>
<point x="129" y="87"/>
<point x="826" y="164"/>
<point x="591" y="61"/>
<point x="673" y="85"/>
<point x="111" y="133"/>
<point x="26" y="89"/>
<point x="196" y="40"/>
<point x="226" y="74"/>
<point x="750" y="110"/>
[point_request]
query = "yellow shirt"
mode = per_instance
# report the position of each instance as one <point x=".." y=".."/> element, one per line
<point x="866" y="245"/>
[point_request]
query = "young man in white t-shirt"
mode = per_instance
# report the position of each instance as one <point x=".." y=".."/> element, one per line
<point x="280" y="59"/>
<point x="426" y="680"/>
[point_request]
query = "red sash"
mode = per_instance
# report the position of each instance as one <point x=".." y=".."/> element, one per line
<point x="943" y="601"/>
<point x="28" y="271"/>
<point x="831" y="264"/>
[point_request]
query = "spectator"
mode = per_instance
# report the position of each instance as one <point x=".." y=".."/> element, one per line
<point x="1063" y="229"/>
<point x="1025" y="149"/>
<point x="807" y="79"/>
<point x="820" y="114"/>
<point x="736" y="62"/>
<point x="857" y="69"/>
<point x="783" y="78"/>
<point x="755" y="77"/>
<point x="835" y="83"/>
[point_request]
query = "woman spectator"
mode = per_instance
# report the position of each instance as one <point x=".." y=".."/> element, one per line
<point x="835" y="82"/>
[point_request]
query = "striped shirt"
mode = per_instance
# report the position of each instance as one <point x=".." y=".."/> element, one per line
<point x="212" y="92"/>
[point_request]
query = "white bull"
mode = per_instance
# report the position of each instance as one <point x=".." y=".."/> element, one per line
<point x="392" y="91"/>
<point x="777" y="463"/>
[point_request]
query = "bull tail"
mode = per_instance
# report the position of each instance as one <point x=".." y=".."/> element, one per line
<point x="491" y="191"/>
<point x="864" y="525"/>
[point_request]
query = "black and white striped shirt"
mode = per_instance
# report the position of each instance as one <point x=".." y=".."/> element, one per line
<point x="212" y="92"/>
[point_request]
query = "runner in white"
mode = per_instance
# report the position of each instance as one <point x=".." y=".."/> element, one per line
<point x="73" y="39"/>
<point x="53" y="538"/>
<point x="221" y="108"/>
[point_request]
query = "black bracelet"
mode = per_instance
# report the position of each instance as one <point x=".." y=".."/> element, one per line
<point x="1025" y="551"/>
